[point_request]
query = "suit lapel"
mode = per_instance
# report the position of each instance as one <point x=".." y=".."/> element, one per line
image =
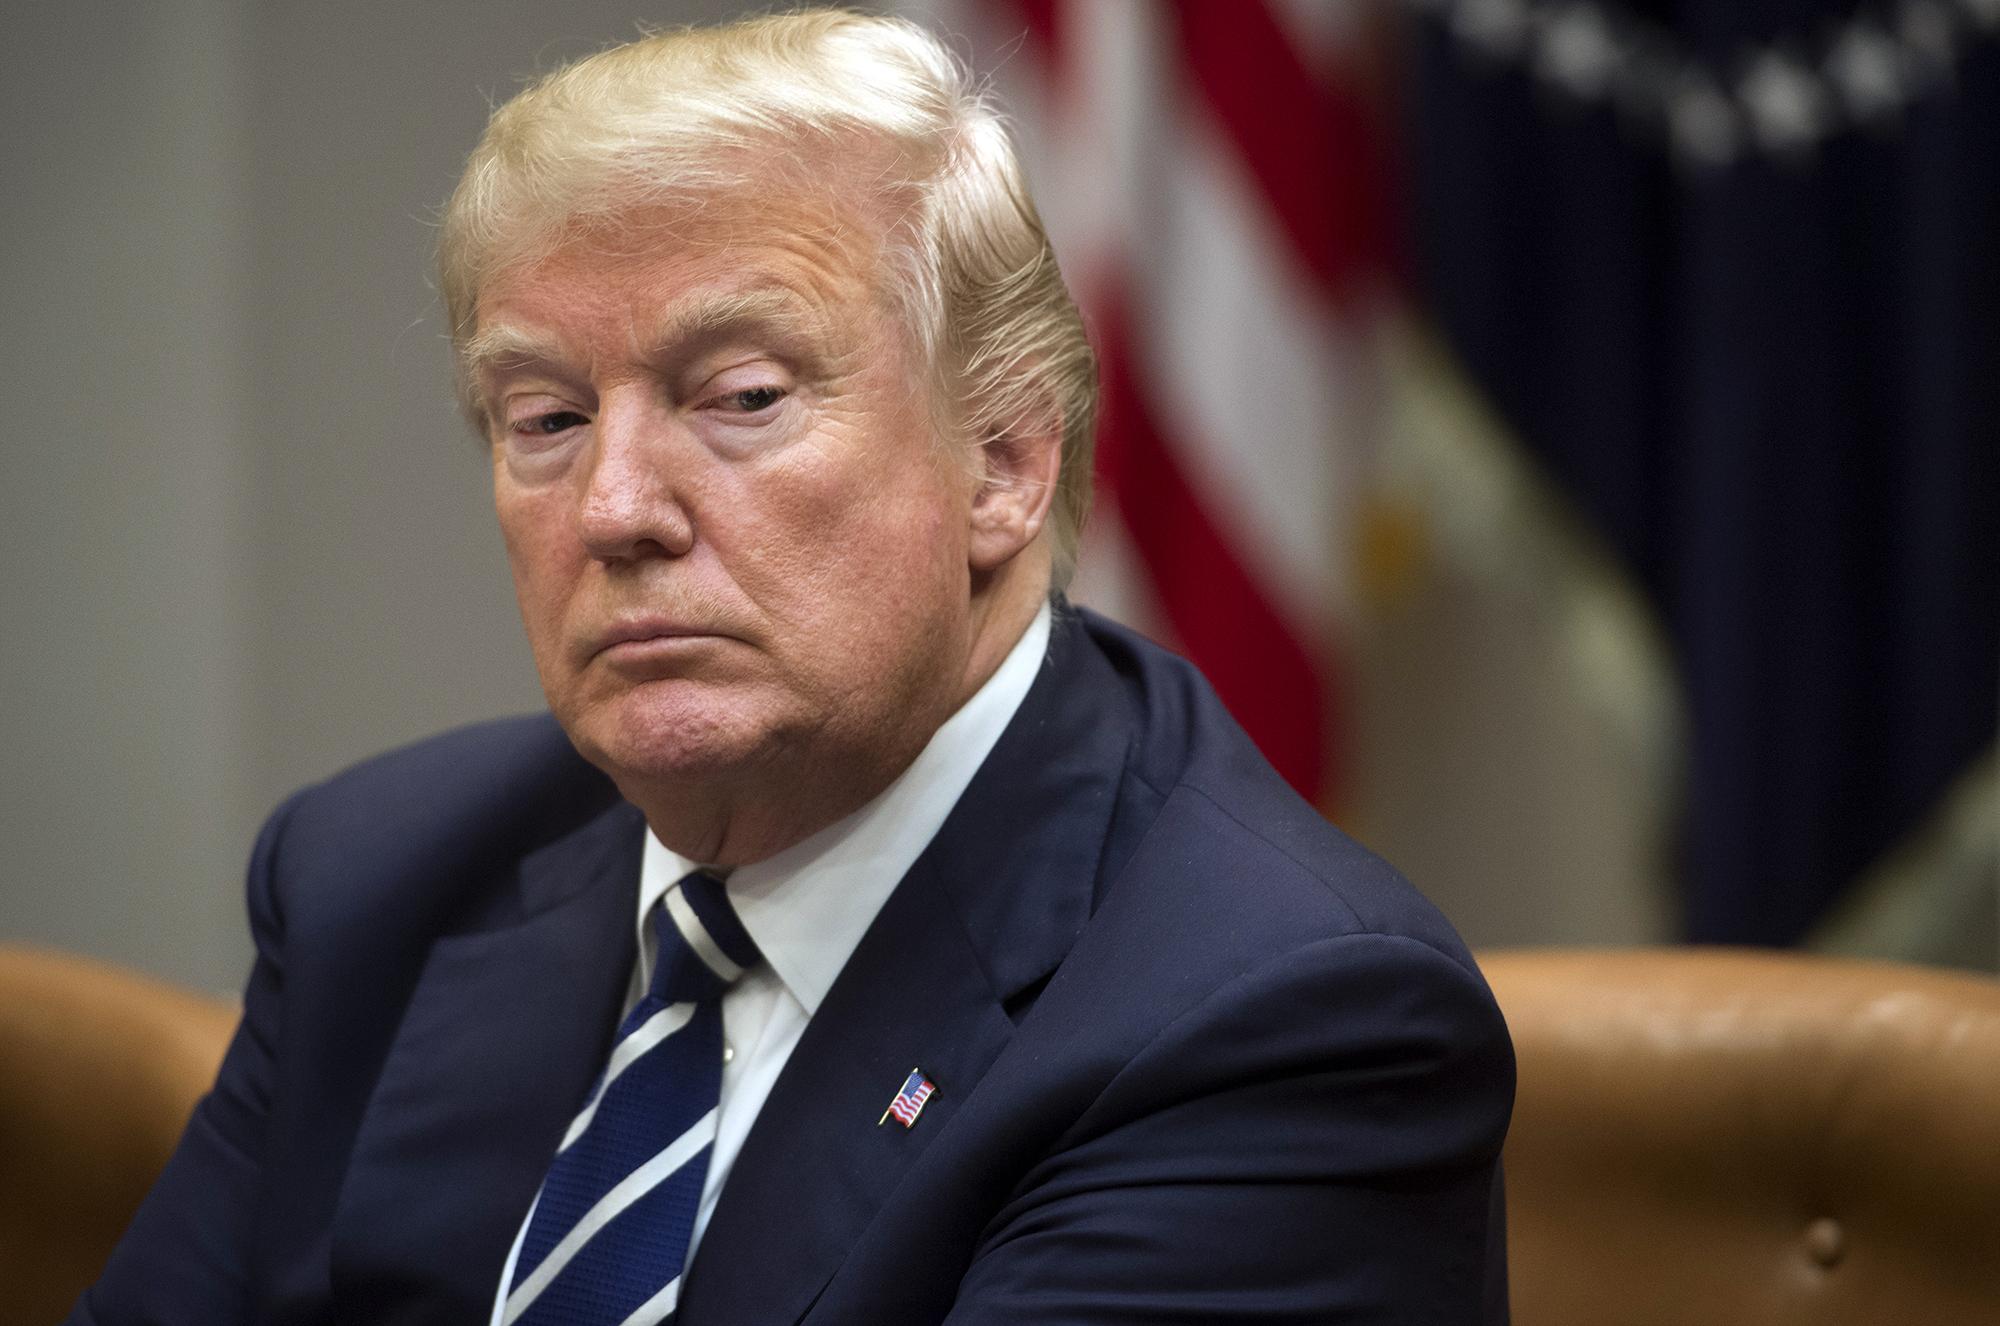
<point x="988" y="910"/>
<point x="912" y="998"/>
<point x="501" y="1038"/>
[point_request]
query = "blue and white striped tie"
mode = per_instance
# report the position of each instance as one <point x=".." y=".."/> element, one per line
<point x="610" y="1230"/>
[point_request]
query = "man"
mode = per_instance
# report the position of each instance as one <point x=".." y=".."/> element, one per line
<point x="906" y="946"/>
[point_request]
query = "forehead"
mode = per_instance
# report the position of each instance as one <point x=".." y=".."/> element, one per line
<point x="681" y="279"/>
<point x="560" y="318"/>
<point x="822" y="235"/>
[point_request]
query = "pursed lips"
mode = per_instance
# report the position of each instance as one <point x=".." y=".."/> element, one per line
<point x="647" y="635"/>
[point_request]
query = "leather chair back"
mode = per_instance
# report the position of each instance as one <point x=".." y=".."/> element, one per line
<point x="1706" y="1137"/>
<point x="99" y="1070"/>
<point x="1701" y="1137"/>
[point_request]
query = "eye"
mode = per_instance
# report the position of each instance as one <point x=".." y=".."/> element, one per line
<point x="548" y="425"/>
<point x="752" y="400"/>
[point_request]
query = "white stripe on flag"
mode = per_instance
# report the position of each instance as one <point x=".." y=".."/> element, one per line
<point x="1259" y="380"/>
<point x="697" y="936"/>
<point x="634" y="1186"/>
<point x="649" y="1033"/>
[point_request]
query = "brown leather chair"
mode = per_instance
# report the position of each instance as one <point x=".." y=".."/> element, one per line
<point x="1702" y="1137"/>
<point x="1707" y="1137"/>
<point x="99" y="1069"/>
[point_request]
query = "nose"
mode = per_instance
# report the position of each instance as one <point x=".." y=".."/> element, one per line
<point x="629" y="508"/>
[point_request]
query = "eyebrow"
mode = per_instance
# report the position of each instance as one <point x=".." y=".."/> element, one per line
<point x="702" y="317"/>
<point x="488" y="350"/>
<point x="711" y="313"/>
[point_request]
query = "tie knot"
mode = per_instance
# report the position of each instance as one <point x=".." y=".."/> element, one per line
<point x="703" y="947"/>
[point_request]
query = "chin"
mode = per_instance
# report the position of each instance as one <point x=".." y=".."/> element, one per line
<point x="671" y="733"/>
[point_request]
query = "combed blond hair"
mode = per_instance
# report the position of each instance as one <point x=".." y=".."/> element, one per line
<point x="799" y="99"/>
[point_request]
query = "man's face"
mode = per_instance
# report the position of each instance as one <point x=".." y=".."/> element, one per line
<point x="736" y="540"/>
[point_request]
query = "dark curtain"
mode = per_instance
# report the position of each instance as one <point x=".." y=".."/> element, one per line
<point x="1773" y="384"/>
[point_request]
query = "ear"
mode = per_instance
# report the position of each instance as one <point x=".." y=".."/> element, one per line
<point x="1017" y="470"/>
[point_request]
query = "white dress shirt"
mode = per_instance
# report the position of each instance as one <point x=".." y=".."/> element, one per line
<point x="808" y="906"/>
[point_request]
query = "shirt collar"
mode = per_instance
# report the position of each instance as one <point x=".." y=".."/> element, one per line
<point x="808" y="906"/>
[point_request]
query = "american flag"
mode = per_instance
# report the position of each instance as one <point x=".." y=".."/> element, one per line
<point x="909" y="1102"/>
<point x="1214" y="176"/>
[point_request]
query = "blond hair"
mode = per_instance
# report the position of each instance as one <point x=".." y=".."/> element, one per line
<point x="685" y="115"/>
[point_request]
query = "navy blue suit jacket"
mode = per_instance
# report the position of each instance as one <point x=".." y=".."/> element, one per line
<point x="1199" y="1057"/>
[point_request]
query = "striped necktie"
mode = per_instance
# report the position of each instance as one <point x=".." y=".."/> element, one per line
<point x="610" y="1230"/>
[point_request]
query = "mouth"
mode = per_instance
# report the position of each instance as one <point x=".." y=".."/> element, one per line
<point x="650" y="640"/>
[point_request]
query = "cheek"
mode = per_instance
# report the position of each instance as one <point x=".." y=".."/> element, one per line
<point x="534" y="543"/>
<point x="903" y="565"/>
<point x="888" y="534"/>
<point x="923" y="521"/>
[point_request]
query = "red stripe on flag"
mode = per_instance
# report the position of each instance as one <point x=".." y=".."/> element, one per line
<point x="1043" y="28"/>
<point x="1258" y="664"/>
<point x="1315" y="151"/>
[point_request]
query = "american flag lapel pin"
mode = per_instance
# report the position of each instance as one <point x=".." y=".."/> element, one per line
<point x="909" y="1102"/>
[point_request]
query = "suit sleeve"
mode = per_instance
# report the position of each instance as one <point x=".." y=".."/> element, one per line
<point x="1318" y="1141"/>
<point x="186" y="1258"/>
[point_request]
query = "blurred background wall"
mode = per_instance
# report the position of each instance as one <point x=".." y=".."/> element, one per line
<point x="1565" y="432"/>
<point x="248" y="539"/>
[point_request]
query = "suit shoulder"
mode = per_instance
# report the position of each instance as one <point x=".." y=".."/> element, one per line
<point x="1211" y="826"/>
<point x="506" y="765"/>
<point x="1289" y="856"/>
<point x="438" y="808"/>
